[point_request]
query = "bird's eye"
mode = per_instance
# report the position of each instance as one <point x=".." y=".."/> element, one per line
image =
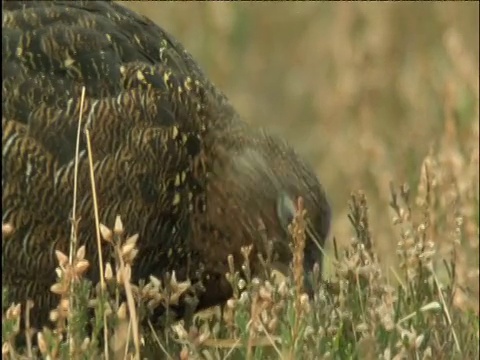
<point x="285" y="210"/>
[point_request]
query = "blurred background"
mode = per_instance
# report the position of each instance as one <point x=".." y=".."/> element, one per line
<point x="365" y="91"/>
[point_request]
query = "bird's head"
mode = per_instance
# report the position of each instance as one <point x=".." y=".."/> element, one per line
<point x="256" y="182"/>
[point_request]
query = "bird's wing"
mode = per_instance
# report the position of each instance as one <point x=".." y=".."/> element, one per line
<point x="146" y="104"/>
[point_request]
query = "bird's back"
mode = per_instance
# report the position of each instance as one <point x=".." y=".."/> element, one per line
<point x="147" y="106"/>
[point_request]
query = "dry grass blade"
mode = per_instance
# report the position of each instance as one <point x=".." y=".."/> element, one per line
<point x="74" y="220"/>
<point x="157" y="341"/>
<point x="268" y="340"/>
<point x="97" y="229"/>
<point x="447" y="313"/>
<point x="28" y="307"/>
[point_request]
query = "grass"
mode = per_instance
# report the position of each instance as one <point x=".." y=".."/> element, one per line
<point x="360" y="312"/>
<point x="382" y="98"/>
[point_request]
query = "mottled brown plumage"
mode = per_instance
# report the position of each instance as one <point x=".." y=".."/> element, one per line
<point x="171" y="155"/>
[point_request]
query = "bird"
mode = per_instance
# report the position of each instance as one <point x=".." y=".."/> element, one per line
<point x="170" y="154"/>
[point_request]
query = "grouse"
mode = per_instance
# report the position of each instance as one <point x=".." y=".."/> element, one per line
<point x="170" y="155"/>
